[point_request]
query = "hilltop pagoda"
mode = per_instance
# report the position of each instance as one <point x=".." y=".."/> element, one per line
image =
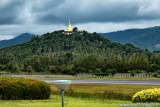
<point x="69" y="29"/>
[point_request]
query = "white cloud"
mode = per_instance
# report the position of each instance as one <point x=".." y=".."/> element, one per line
<point x="110" y="27"/>
<point x="6" y="37"/>
<point x="149" y="8"/>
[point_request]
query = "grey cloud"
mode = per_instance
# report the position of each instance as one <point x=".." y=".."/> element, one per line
<point x="45" y="12"/>
<point x="79" y="11"/>
<point x="98" y="11"/>
<point x="19" y="16"/>
<point x="10" y="11"/>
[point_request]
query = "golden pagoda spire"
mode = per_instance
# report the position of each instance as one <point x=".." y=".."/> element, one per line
<point x="69" y="27"/>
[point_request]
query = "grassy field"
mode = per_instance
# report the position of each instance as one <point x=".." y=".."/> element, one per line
<point x="55" y="101"/>
<point x="103" y="91"/>
<point x="94" y="88"/>
<point x="84" y="95"/>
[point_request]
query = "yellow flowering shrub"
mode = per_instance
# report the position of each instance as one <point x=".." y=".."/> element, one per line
<point x="150" y="95"/>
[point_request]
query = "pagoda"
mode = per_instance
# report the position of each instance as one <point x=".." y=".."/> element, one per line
<point x="69" y="29"/>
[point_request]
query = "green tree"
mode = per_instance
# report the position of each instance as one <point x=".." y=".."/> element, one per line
<point x="35" y="38"/>
<point x="75" y="29"/>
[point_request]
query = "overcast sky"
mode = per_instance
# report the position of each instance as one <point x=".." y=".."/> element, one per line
<point x="41" y="16"/>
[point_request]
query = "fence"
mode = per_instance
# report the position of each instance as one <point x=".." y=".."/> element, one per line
<point x="88" y="75"/>
<point x="122" y="75"/>
<point x="85" y="75"/>
<point x="143" y="75"/>
<point x="118" y="75"/>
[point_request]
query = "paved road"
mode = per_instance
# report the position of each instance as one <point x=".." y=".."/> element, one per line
<point x="95" y="81"/>
<point x="102" y="81"/>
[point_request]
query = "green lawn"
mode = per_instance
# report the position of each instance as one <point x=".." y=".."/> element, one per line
<point x="103" y="91"/>
<point x="55" y="101"/>
<point x="83" y="95"/>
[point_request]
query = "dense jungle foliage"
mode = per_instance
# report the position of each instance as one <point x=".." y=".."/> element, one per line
<point x="60" y="53"/>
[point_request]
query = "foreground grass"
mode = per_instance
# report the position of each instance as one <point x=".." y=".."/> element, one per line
<point x="83" y="95"/>
<point x="102" y="91"/>
<point x="55" y="101"/>
<point x="128" y="89"/>
<point x="94" y="88"/>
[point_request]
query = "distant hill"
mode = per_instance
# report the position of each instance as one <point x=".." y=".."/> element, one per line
<point x="148" y="38"/>
<point x="19" y="39"/>
<point x="59" y="44"/>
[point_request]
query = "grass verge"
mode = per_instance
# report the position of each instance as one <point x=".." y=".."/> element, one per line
<point x="83" y="95"/>
<point x="102" y="91"/>
<point x="55" y="101"/>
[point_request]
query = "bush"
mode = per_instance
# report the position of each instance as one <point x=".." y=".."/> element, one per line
<point x="136" y="71"/>
<point x="111" y="71"/>
<point x="156" y="73"/>
<point x="150" y="95"/>
<point x="12" y="88"/>
<point x="98" y="70"/>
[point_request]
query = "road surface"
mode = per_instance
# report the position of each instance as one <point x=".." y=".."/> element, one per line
<point x="94" y="81"/>
<point x="103" y="81"/>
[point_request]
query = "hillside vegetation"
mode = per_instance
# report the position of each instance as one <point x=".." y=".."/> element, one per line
<point x="148" y="38"/>
<point x="59" y="53"/>
<point x="58" y="44"/>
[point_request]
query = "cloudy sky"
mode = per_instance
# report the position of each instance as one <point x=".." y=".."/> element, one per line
<point x="41" y="16"/>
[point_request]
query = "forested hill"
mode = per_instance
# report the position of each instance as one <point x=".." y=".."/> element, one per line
<point x="148" y="38"/>
<point x="59" y="44"/>
<point x="19" y="39"/>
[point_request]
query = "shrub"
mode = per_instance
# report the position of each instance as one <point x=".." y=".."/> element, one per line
<point x="136" y="71"/>
<point x="12" y="88"/>
<point x="111" y="71"/>
<point x="156" y="73"/>
<point x="150" y="95"/>
<point x="98" y="70"/>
